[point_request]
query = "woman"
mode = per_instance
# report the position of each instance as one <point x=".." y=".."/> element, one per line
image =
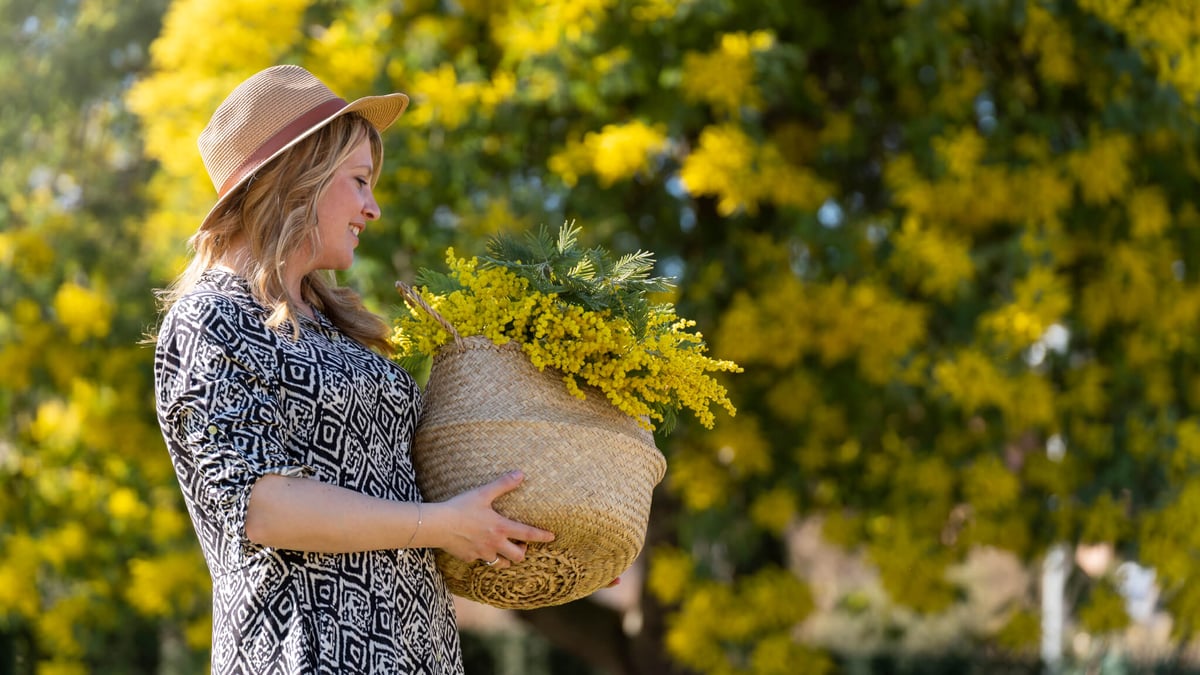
<point x="289" y="433"/>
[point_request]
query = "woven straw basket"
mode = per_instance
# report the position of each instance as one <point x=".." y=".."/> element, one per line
<point x="590" y="470"/>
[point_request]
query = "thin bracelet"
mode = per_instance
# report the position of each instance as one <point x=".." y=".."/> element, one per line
<point x="418" y="527"/>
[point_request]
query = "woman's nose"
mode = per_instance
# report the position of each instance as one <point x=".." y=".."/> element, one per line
<point x="371" y="209"/>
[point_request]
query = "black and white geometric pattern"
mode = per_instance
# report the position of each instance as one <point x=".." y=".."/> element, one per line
<point x="237" y="400"/>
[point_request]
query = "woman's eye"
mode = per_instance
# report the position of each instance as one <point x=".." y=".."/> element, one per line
<point x="362" y="182"/>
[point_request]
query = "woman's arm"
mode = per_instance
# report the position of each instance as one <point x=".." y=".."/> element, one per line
<point x="307" y="515"/>
<point x="222" y="422"/>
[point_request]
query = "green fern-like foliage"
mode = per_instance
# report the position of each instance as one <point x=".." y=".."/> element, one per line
<point x="438" y="283"/>
<point x="589" y="278"/>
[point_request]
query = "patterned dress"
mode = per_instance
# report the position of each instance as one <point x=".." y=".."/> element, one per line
<point x="237" y="400"/>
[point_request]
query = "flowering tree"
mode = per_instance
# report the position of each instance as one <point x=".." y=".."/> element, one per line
<point x="97" y="557"/>
<point x="951" y="243"/>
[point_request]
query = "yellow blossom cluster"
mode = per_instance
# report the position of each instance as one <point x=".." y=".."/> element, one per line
<point x="616" y="152"/>
<point x="204" y="50"/>
<point x="649" y="11"/>
<point x="448" y="101"/>
<point x="1170" y="538"/>
<point x="159" y="585"/>
<point x="1105" y="612"/>
<point x="1167" y="34"/>
<point x="18" y="571"/>
<point x="961" y="151"/>
<point x="934" y="260"/>
<point x="981" y="198"/>
<point x="82" y="462"/>
<point x="196" y="38"/>
<point x="35" y="563"/>
<point x="774" y="510"/>
<point x="25" y="251"/>
<point x="699" y="480"/>
<point x="742" y="447"/>
<point x="955" y="97"/>
<point x="670" y="572"/>
<point x="989" y="486"/>
<point x="666" y="369"/>
<point x="240" y="22"/>
<point x="974" y="382"/>
<point x="84" y="312"/>
<point x="1041" y="299"/>
<point x="1149" y="212"/>
<point x="703" y="476"/>
<point x="781" y="324"/>
<point x="1140" y="289"/>
<point x="745" y="627"/>
<point x="724" y="77"/>
<point x="1051" y="43"/>
<point x="741" y="173"/>
<point x="533" y="27"/>
<point x="1102" y="168"/>
<point x="912" y="563"/>
<point x="978" y="195"/>
<point x="603" y="64"/>
<point x="343" y="54"/>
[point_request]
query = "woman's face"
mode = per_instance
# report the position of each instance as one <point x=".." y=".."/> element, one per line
<point x="343" y="211"/>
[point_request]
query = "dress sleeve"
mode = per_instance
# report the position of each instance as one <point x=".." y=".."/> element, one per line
<point x="217" y="385"/>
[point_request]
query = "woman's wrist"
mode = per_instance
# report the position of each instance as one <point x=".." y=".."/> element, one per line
<point x="416" y="528"/>
<point x="430" y="516"/>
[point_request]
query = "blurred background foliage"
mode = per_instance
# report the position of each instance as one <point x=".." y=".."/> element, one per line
<point x="953" y="243"/>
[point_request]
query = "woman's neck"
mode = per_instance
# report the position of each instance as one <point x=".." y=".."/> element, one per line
<point x="236" y="259"/>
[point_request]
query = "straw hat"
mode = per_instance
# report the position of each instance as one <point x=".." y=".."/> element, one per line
<point x="270" y="112"/>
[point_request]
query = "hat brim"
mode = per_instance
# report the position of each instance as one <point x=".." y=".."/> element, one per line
<point x="380" y="111"/>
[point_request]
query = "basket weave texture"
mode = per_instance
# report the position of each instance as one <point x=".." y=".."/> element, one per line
<point x="590" y="471"/>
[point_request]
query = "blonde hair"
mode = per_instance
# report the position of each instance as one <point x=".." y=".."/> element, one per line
<point x="274" y="214"/>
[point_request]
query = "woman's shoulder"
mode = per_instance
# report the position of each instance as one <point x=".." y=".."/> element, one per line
<point x="212" y="324"/>
<point x="220" y="300"/>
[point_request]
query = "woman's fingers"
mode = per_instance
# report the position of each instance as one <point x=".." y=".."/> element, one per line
<point x="478" y="533"/>
<point x="516" y="552"/>
<point x="513" y="551"/>
<point x="502" y="485"/>
<point x="522" y="532"/>
<point x="509" y="555"/>
<point x="499" y="563"/>
<point x="517" y="531"/>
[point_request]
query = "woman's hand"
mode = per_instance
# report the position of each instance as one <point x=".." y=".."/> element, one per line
<point x="470" y="529"/>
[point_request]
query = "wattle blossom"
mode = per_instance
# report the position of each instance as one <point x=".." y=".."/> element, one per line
<point x="647" y="373"/>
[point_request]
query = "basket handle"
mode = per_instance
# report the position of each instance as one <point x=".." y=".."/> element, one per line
<point x="414" y="300"/>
